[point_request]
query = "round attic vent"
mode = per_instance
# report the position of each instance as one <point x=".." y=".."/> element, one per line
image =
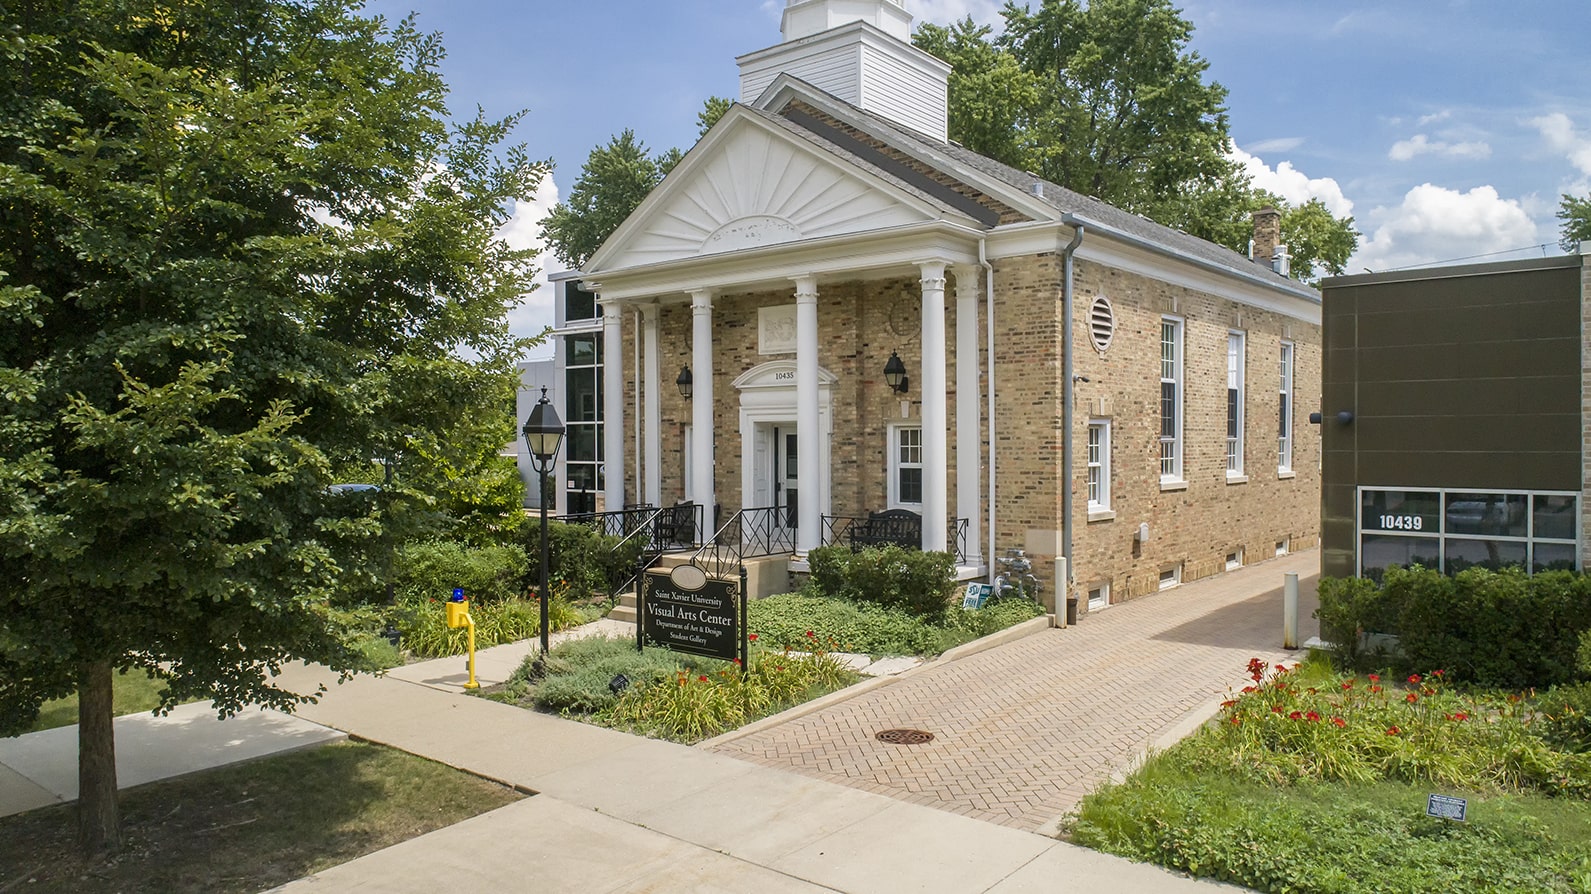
<point x="1101" y="323"/>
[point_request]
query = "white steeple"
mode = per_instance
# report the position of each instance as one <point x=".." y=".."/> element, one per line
<point x="860" y="51"/>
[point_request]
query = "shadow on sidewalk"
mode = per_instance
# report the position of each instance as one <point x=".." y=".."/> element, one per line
<point x="1254" y="623"/>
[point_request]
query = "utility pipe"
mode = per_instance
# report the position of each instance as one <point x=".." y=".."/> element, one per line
<point x="1067" y="411"/>
<point x="988" y="315"/>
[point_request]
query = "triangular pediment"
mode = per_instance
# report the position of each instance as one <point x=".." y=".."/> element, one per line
<point x="752" y="182"/>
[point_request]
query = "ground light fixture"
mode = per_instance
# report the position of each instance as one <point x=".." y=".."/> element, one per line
<point x="685" y="383"/>
<point x="543" y="435"/>
<point x="895" y="373"/>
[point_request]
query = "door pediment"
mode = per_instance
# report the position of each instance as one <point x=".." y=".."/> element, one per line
<point x="749" y="184"/>
<point x="777" y="374"/>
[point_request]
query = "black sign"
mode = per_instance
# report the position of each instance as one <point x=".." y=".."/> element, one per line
<point x="705" y="621"/>
<point x="1444" y="807"/>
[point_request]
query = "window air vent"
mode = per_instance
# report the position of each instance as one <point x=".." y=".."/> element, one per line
<point x="1101" y="323"/>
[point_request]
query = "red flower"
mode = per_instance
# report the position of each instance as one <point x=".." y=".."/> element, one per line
<point x="1312" y="717"/>
<point x="1229" y="703"/>
<point x="1248" y="689"/>
<point x="1281" y="668"/>
<point x="1347" y="686"/>
<point x="702" y="678"/>
<point x="752" y="637"/>
<point x="1313" y="691"/>
<point x="1375" y="678"/>
<point x="736" y="661"/>
<point x="1414" y="678"/>
<point x="1437" y="672"/>
<point x="1392" y="731"/>
<point x="1375" y="689"/>
<point x="1460" y="716"/>
<point x="1296" y="715"/>
<point x="1339" y="721"/>
<point x="1411" y="698"/>
<point x="1276" y="709"/>
<point x="810" y="633"/>
<point x="1237" y="719"/>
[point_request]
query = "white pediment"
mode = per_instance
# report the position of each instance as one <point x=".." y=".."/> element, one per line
<point x="778" y="374"/>
<point x="750" y="184"/>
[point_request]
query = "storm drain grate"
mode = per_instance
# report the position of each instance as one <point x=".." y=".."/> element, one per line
<point x="904" y="736"/>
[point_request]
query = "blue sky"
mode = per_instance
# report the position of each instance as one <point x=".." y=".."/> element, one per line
<point x="1447" y="128"/>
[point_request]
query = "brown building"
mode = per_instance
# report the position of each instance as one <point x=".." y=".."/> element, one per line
<point x="1454" y="417"/>
<point x="825" y="230"/>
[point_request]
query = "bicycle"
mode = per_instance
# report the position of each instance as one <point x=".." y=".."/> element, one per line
<point x="1016" y="577"/>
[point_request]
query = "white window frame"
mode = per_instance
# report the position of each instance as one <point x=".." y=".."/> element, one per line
<point x="1096" y="455"/>
<point x="896" y="464"/>
<point x="1284" y="436"/>
<point x="1102" y="602"/>
<point x="1171" y="373"/>
<point x="1236" y="398"/>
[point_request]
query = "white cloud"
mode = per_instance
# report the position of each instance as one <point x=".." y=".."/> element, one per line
<point x="523" y="230"/>
<point x="1433" y="118"/>
<point x="1435" y="224"/>
<point x="1562" y="137"/>
<point x="1420" y="144"/>
<point x="1279" y="144"/>
<point x="1294" y="185"/>
<point x="943" y="12"/>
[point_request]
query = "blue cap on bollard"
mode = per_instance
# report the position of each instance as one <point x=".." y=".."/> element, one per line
<point x="458" y="594"/>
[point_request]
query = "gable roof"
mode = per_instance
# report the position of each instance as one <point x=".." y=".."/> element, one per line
<point x="1022" y="190"/>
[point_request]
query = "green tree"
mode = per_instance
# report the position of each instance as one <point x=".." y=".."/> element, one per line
<point x="242" y="255"/>
<point x="1576" y="216"/>
<point x="615" y="179"/>
<point x="713" y="109"/>
<point x="1106" y="99"/>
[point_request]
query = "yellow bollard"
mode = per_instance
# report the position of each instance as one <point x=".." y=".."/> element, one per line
<point x="458" y="615"/>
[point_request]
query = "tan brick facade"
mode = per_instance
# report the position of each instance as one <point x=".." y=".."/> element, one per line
<point x="1193" y="529"/>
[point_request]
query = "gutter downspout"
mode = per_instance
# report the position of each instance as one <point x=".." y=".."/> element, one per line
<point x="988" y="316"/>
<point x="1067" y="403"/>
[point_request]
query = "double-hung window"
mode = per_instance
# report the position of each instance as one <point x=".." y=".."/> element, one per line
<point x="1284" y="431"/>
<point x="1098" y="465"/>
<point x="906" y="466"/>
<point x="1234" y="404"/>
<point x="1170" y="399"/>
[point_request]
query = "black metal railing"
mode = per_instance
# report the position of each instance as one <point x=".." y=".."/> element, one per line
<point x="748" y="534"/>
<point x="656" y="530"/>
<point x="837" y="528"/>
<point x="617" y="523"/>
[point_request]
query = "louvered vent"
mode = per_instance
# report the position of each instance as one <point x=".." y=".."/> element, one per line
<point x="1101" y="323"/>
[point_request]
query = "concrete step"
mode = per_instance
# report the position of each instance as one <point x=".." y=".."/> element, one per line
<point x="625" y="610"/>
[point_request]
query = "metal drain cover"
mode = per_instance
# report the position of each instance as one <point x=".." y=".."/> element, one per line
<point x="904" y="736"/>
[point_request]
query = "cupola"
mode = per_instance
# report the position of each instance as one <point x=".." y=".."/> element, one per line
<point x="859" y="51"/>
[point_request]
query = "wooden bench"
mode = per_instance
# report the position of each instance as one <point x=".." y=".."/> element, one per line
<point x="902" y="527"/>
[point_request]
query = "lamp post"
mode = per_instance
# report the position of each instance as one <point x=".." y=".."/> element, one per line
<point x="543" y="434"/>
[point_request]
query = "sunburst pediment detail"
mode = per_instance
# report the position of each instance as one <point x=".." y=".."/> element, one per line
<point x="755" y="188"/>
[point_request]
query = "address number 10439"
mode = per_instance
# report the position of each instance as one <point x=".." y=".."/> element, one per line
<point x="1402" y="523"/>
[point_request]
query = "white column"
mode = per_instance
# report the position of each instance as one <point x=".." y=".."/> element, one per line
<point x="652" y="432"/>
<point x="936" y="511"/>
<point x="809" y="515"/>
<point x="612" y="407"/>
<point x="968" y="468"/>
<point x="702" y="406"/>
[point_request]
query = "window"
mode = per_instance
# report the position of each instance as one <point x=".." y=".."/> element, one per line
<point x="1099" y="596"/>
<point x="583" y="431"/>
<point x="1284" y="430"/>
<point x="1170" y="399"/>
<point x="1234" y="559"/>
<point x="1098" y="465"/>
<point x="906" y="466"/>
<point x="1452" y="530"/>
<point x="1234" y="404"/>
<point x="578" y="304"/>
<point x="1170" y="577"/>
<point x="1284" y="546"/>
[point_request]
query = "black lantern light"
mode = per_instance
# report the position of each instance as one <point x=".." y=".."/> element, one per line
<point x="543" y="436"/>
<point x="685" y="383"/>
<point x="895" y="373"/>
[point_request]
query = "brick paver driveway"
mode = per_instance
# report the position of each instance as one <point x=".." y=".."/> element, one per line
<point x="1024" y="730"/>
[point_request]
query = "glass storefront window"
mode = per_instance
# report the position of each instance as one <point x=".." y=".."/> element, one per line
<point x="1459" y="529"/>
<point x="1494" y="555"/>
<point x="1555" y="516"/>
<point x="1554" y="557"/>
<point x="1377" y="552"/>
<point x="1493" y="514"/>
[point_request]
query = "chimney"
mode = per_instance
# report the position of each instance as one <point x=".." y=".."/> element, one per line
<point x="1267" y="232"/>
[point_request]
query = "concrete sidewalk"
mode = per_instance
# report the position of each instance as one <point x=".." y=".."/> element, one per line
<point x="621" y="813"/>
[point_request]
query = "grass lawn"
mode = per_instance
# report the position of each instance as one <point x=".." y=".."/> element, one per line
<point x="134" y="692"/>
<point x="250" y="826"/>
<point x="1313" y="781"/>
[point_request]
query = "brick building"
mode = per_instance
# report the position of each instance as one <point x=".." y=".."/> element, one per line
<point x="825" y="228"/>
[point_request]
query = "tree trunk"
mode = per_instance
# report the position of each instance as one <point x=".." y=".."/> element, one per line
<point x="99" y="827"/>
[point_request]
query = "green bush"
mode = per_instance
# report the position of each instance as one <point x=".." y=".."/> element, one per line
<point x="1583" y="657"/>
<point x="922" y="583"/>
<point x="1566" y="712"/>
<point x="783" y="622"/>
<point x="588" y="562"/>
<point x="423" y="624"/>
<point x="578" y="673"/>
<point x="1493" y="628"/>
<point x="431" y="569"/>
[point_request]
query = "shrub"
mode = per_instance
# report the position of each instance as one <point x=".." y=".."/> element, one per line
<point x="922" y="583"/>
<point x="1494" y="628"/>
<point x="431" y="569"/>
<point x="1566" y="714"/>
<point x="423" y="624"/>
<point x="1583" y="657"/>
<point x="578" y="673"/>
<point x="587" y="561"/>
<point x="783" y="621"/>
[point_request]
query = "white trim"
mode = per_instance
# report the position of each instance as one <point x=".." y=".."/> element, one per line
<point x="1101" y="488"/>
<point x="1103" y="602"/>
<point x="766" y="399"/>
<point x="1171" y="467"/>
<point x="896" y="464"/>
<point x="1236" y="376"/>
<point x="1287" y="366"/>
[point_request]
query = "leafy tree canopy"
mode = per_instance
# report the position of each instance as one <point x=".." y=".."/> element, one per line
<point x="615" y="179"/>
<point x="1576" y="216"/>
<point x="1106" y="99"/>
<point x="242" y="253"/>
